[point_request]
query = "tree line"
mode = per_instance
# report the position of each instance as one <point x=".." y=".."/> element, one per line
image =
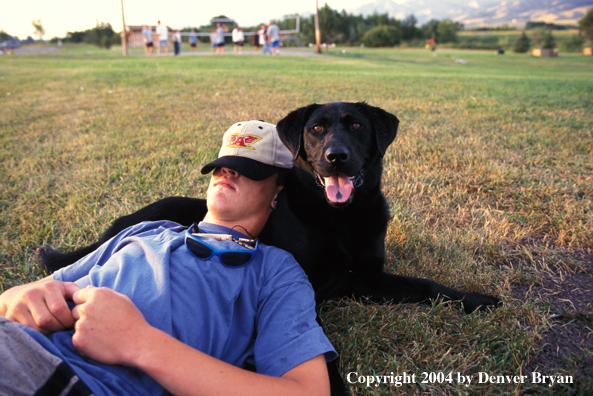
<point x="101" y="35"/>
<point x="376" y="30"/>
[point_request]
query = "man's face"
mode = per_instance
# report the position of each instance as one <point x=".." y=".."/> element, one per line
<point x="233" y="197"/>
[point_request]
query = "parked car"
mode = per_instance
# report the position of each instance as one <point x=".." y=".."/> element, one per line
<point x="8" y="46"/>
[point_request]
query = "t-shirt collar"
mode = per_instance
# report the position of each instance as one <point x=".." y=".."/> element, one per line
<point x="209" y="228"/>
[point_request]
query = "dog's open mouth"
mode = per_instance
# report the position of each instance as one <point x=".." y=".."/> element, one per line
<point x="339" y="189"/>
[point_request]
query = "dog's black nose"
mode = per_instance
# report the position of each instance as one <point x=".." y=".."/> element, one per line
<point x="336" y="155"/>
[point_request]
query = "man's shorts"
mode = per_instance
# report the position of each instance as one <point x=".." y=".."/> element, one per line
<point x="28" y="368"/>
<point x="220" y="45"/>
<point x="275" y="44"/>
<point x="164" y="43"/>
<point x="149" y="45"/>
<point x="193" y="45"/>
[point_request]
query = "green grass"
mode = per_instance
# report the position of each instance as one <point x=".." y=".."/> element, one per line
<point x="489" y="180"/>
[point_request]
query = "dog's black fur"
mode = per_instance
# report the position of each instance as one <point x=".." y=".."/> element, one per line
<point x="338" y="238"/>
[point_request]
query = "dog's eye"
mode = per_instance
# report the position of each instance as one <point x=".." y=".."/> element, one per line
<point x="356" y="125"/>
<point x="318" y="128"/>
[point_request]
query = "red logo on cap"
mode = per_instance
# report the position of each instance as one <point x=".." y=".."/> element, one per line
<point x="242" y="141"/>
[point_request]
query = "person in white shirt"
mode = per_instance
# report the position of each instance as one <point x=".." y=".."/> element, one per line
<point x="263" y="39"/>
<point x="241" y="40"/>
<point x="163" y="33"/>
<point x="235" y="36"/>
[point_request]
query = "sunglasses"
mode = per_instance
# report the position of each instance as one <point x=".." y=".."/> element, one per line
<point x="229" y="257"/>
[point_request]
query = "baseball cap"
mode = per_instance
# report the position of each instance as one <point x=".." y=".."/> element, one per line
<point x="253" y="149"/>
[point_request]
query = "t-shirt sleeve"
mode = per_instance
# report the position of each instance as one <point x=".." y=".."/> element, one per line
<point x="80" y="269"/>
<point x="287" y="331"/>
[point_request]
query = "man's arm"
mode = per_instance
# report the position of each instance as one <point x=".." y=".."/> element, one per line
<point x="129" y="340"/>
<point x="40" y="305"/>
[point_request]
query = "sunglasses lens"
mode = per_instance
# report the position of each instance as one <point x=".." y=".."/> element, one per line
<point x="198" y="249"/>
<point x="235" y="259"/>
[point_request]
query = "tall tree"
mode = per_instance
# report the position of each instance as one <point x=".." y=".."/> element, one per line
<point x="586" y="25"/>
<point x="409" y="29"/>
<point x="39" y="30"/>
<point x="522" y="44"/>
<point x="447" y="31"/>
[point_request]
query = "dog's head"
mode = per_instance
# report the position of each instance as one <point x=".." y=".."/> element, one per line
<point x="336" y="142"/>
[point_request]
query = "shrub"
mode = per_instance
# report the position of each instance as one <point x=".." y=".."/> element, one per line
<point x="549" y="41"/>
<point x="382" y="36"/>
<point x="522" y="44"/>
<point x="573" y="44"/>
<point x="106" y="42"/>
<point x="101" y="35"/>
<point x="538" y="36"/>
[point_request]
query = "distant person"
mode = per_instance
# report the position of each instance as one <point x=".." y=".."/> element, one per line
<point x="274" y="37"/>
<point x="241" y="40"/>
<point x="431" y="44"/>
<point x="221" y="29"/>
<point x="163" y="33"/>
<point x="235" y="38"/>
<point x="256" y="41"/>
<point x="193" y="41"/>
<point x="238" y="40"/>
<point x="147" y="38"/>
<point x="265" y="39"/>
<point x="213" y="44"/>
<point x="177" y="42"/>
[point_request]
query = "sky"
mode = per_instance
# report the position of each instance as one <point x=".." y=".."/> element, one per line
<point x="60" y="16"/>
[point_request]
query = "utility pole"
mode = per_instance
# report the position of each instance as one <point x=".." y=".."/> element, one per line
<point x="124" y="34"/>
<point x="317" y="32"/>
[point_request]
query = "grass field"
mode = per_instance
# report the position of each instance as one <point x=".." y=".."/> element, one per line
<point x="490" y="184"/>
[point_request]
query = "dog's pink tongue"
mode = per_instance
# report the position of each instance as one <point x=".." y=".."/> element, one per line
<point x="338" y="188"/>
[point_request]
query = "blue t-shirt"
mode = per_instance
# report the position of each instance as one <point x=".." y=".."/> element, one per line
<point x="274" y="33"/>
<point x="147" y="33"/>
<point x="219" y="37"/>
<point x="262" y="314"/>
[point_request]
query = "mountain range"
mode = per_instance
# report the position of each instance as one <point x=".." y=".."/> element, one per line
<point x="482" y="12"/>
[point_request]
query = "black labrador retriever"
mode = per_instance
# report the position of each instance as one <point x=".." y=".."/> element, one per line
<point x="331" y="214"/>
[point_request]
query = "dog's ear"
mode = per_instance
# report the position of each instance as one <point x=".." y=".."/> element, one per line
<point x="385" y="126"/>
<point x="290" y="128"/>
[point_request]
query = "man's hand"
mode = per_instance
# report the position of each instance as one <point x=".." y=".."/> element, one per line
<point x="109" y="328"/>
<point x="40" y="305"/>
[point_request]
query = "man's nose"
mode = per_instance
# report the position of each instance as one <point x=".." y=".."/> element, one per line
<point x="229" y="172"/>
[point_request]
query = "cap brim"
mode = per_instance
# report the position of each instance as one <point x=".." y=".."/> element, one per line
<point x="247" y="167"/>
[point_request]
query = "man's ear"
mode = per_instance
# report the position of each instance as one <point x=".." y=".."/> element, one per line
<point x="275" y="199"/>
<point x="290" y="128"/>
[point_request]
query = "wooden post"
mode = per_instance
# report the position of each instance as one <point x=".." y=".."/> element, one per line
<point x="124" y="33"/>
<point x="317" y="32"/>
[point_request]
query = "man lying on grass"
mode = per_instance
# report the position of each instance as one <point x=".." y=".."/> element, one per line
<point x="161" y="306"/>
